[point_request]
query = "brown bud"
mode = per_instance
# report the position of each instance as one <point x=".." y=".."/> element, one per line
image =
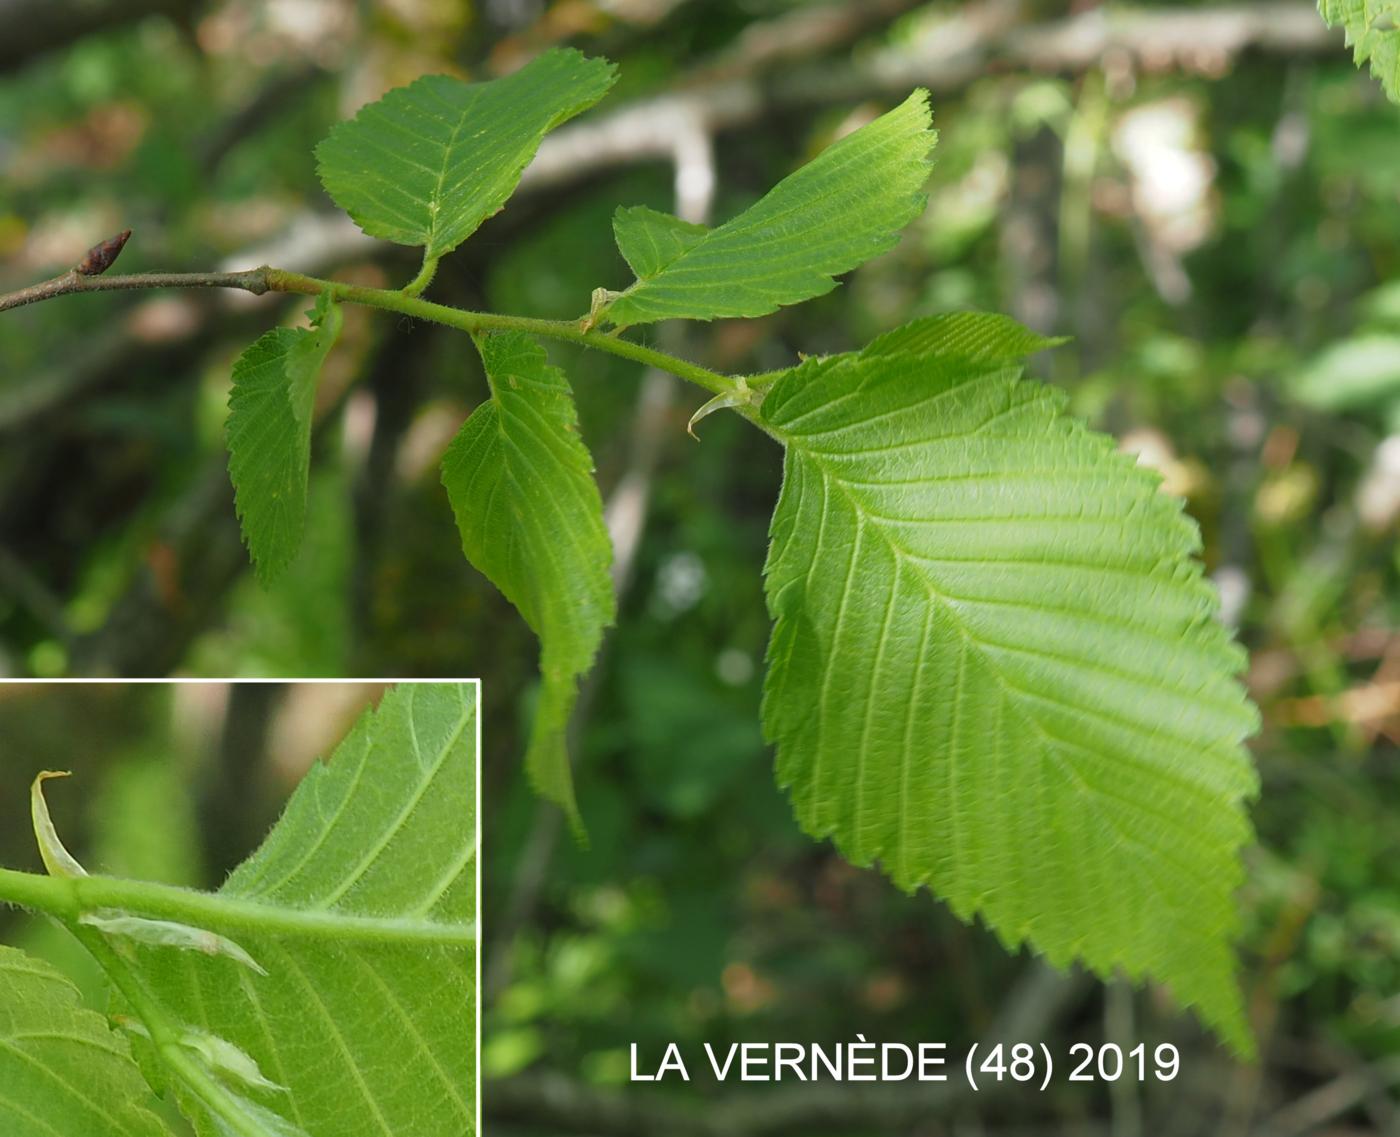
<point x="99" y="258"/>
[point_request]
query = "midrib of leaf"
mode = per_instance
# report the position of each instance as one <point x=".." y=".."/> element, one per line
<point x="435" y="204"/>
<point x="219" y="911"/>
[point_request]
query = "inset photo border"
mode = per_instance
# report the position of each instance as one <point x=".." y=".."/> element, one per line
<point x="243" y="907"/>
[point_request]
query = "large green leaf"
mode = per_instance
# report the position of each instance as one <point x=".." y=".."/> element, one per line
<point x="428" y="163"/>
<point x="521" y="485"/>
<point x="1373" y="32"/>
<point x="996" y="667"/>
<point x="842" y="208"/>
<point x="63" y="1072"/>
<point x="269" y="434"/>
<point x="360" y="907"/>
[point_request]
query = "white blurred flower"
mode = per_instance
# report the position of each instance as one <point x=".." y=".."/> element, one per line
<point x="680" y="583"/>
<point x="1378" y="496"/>
<point x="1172" y="176"/>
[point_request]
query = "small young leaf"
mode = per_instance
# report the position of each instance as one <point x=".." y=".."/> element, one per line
<point x="428" y="163"/>
<point x="520" y="481"/>
<point x="63" y="1072"/>
<point x="996" y="667"/>
<point x="1372" y="32"/>
<point x="842" y="208"/>
<point x="269" y="434"/>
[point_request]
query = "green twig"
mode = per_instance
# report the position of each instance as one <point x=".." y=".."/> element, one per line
<point x="68" y="897"/>
<point x="406" y="302"/>
<point x="567" y="330"/>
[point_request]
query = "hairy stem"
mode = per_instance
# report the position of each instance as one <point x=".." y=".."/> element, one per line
<point x="566" y="330"/>
<point x="406" y="302"/>
<point x="68" y="897"/>
<point x="424" y="278"/>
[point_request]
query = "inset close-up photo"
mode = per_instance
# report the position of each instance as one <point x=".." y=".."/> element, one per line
<point x="244" y="909"/>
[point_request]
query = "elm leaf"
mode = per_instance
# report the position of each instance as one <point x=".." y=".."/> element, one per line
<point x="996" y="668"/>
<point x="63" y="1071"/>
<point x="520" y="480"/>
<point x="428" y="163"/>
<point x="269" y="434"/>
<point x="845" y="206"/>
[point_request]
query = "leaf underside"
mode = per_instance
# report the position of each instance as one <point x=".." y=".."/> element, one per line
<point x="428" y="163"/>
<point x="1373" y="33"/>
<point x="63" y="1072"/>
<point x="271" y="407"/>
<point x="521" y="485"/>
<point x="836" y="212"/>
<point x="996" y="667"/>
<point x="369" y="1038"/>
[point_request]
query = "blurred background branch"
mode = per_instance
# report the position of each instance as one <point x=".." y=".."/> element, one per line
<point x="32" y="28"/>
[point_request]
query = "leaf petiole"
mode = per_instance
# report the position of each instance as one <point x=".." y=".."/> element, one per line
<point x="419" y="283"/>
